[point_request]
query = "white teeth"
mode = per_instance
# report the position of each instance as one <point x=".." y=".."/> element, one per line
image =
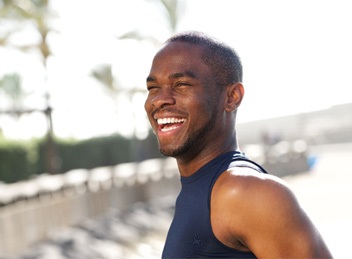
<point x="169" y="128"/>
<point x="169" y="120"/>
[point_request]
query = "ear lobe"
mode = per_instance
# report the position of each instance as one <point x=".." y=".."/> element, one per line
<point x="234" y="96"/>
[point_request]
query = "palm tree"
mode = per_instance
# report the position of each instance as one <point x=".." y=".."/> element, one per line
<point x="103" y="74"/>
<point x="35" y="12"/>
<point x="22" y="12"/>
<point x="171" y="11"/>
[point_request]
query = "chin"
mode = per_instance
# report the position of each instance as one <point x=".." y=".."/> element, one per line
<point x="173" y="152"/>
<point x="168" y="152"/>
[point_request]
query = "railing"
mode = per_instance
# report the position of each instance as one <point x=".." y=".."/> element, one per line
<point x="31" y="210"/>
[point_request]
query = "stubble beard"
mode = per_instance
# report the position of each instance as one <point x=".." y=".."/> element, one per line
<point x="194" y="140"/>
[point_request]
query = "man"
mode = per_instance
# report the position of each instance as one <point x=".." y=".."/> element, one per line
<point x="228" y="205"/>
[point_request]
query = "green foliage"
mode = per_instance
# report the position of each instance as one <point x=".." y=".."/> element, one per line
<point x="94" y="152"/>
<point x="20" y="160"/>
<point x="15" y="162"/>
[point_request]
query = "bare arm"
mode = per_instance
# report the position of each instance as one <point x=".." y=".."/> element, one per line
<point x="263" y="215"/>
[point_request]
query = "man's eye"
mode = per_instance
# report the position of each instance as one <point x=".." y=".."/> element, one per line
<point x="182" y="84"/>
<point x="151" y="87"/>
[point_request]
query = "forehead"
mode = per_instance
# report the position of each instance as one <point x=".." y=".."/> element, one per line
<point x="178" y="47"/>
<point x="179" y="56"/>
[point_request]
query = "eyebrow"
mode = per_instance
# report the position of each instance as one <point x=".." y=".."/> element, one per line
<point x="174" y="76"/>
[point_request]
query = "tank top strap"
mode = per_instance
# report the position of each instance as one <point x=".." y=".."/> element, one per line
<point x="243" y="161"/>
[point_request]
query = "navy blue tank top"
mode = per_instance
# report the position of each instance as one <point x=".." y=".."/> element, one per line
<point x="190" y="234"/>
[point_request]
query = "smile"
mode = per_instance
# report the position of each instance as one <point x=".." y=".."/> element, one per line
<point x="168" y="124"/>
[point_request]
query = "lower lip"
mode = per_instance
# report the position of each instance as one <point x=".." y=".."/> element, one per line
<point x="169" y="131"/>
<point x="169" y="128"/>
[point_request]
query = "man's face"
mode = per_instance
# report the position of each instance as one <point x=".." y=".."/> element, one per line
<point x="182" y="104"/>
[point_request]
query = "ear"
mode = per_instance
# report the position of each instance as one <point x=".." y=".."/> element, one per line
<point x="234" y="96"/>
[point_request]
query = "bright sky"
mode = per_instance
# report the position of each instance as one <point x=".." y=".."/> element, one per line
<point x="296" y="54"/>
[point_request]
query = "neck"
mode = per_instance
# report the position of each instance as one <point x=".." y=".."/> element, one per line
<point x="188" y="164"/>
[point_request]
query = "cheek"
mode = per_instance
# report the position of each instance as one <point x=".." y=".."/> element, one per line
<point x="202" y="109"/>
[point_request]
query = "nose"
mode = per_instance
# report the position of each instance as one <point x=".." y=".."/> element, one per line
<point x="163" y="97"/>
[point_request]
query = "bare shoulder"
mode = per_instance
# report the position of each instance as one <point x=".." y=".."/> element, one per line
<point x="239" y="182"/>
<point x="253" y="196"/>
<point x="246" y="196"/>
<point x="261" y="212"/>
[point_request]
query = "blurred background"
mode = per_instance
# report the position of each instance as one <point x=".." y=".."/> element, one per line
<point x="80" y="171"/>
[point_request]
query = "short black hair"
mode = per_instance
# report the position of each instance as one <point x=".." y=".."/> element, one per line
<point x="223" y="60"/>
